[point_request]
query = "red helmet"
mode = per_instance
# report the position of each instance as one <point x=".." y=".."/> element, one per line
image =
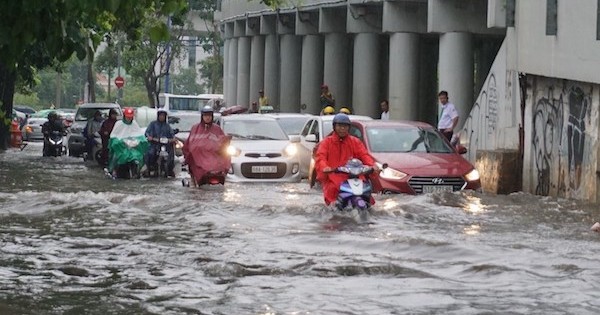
<point x="128" y="112"/>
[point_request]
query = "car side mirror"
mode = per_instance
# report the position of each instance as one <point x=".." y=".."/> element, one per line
<point x="461" y="149"/>
<point x="311" y="138"/>
<point x="294" y="139"/>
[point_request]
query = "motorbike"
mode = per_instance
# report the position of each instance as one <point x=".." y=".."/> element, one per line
<point x="355" y="192"/>
<point x="129" y="159"/>
<point x="54" y="144"/>
<point x="162" y="159"/>
<point x="99" y="153"/>
<point x="211" y="178"/>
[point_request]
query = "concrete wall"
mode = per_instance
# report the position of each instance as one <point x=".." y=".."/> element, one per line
<point x="493" y="122"/>
<point x="561" y="138"/>
<point x="571" y="54"/>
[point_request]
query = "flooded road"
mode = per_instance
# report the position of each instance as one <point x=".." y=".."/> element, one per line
<point x="74" y="242"/>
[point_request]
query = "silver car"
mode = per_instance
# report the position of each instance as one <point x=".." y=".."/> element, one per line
<point x="315" y="129"/>
<point x="32" y="130"/>
<point x="260" y="150"/>
<point x="292" y="123"/>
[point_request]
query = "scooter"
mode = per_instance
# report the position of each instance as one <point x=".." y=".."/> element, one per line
<point x="130" y="169"/>
<point x="210" y="178"/>
<point x="99" y="153"/>
<point x="162" y="160"/>
<point x="55" y="145"/>
<point x="355" y="192"/>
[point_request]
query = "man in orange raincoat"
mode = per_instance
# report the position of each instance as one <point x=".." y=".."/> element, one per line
<point x="335" y="151"/>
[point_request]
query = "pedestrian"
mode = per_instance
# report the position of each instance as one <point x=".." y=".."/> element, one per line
<point x="262" y="99"/>
<point x="385" y="110"/>
<point x="326" y="98"/>
<point x="449" y="116"/>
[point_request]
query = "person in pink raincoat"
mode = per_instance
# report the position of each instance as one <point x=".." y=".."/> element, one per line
<point x="205" y="148"/>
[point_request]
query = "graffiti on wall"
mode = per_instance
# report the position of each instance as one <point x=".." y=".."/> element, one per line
<point x="559" y="138"/>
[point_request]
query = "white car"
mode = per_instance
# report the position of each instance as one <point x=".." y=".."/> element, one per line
<point x="292" y="123"/>
<point x="260" y="150"/>
<point x="315" y="129"/>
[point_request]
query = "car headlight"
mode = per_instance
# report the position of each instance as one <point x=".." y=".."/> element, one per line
<point x="291" y="150"/>
<point x="472" y="175"/>
<point x="390" y="173"/>
<point x="233" y="151"/>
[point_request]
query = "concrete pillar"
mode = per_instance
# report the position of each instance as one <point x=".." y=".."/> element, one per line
<point x="336" y="67"/>
<point x="455" y="71"/>
<point x="257" y="67"/>
<point x="312" y="73"/>
<point x="225" y="66"/>
<point x="243" y="74"/>
<point x="232" y="63"/>
<point x="404" y="76"/>
<point x="365" y="83"/>
<point x="272" y="69"/>
<point x="291" y="51"/>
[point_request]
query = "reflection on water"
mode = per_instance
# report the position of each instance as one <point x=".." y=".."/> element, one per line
<point x="74" y="242"/>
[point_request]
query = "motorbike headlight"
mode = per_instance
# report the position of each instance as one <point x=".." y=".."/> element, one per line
<point x="233" y="151"/>
<point x="291" y="150"/>
<point x="472" y="175"/>
<point x="178" y="144"/>
<point x="390" y="173"/>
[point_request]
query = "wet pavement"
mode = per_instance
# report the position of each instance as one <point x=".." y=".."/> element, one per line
<point x="75" y="242"/>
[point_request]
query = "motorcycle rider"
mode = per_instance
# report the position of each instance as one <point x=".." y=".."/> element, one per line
<point x="106" y="129"/>
<point x="334" y="151"/>
<point x="53" y="124"/>
<point x="93" y="125"/>
<point x="204" y="149"/>
<point x="119" y="152"/>
<point x="157" y="129"/>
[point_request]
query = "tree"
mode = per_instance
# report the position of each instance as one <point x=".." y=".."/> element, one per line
<point x="211" y="68"/>
<point x="35" y="35"/>
<point x="150" y="59"/>
<point x="185" y="82"/>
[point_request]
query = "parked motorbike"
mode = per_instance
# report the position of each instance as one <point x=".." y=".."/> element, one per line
<point x="54" y="144"/>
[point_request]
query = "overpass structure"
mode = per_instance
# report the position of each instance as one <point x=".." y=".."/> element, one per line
<point x="523" y="74"/>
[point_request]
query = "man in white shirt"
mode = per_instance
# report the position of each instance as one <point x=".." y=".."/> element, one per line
<point x="448" y="118"/>
<point x="385" y="110"/>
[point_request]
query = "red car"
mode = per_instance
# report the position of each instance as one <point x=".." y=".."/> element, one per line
<point x="419" y="158"/>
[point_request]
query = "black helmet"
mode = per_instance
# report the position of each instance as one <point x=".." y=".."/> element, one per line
<point x="161" y="111"/>
<point x="52" y="115"/>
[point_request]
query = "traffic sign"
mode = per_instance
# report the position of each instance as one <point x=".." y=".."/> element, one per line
<point x="119" y="81"/>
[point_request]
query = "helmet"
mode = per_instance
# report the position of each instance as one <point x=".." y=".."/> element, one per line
<point x="128" y="113"/>
<point x="207" y="110"/>
<point x="341" y="118"/>
<point x="329" y="110"/>
<point x="52" y="115"/>
<point x="345" y="110"/>
<point x="161" y="111"/>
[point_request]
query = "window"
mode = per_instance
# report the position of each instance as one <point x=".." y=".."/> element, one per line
<point x="598" y="21"/>
<point x="551" y="17"/>
<point x="510" y="13"/>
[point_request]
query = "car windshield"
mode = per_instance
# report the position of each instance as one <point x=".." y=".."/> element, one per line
<point x="292" y="125"/>
<point x="184" y="123"/>
<point x="254" y="129"/>
<point x="406" y="139"/>
<point x="83" y="114"/>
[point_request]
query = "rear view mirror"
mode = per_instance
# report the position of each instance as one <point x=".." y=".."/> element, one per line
<point x="311" y="138"/>
<point x="294" y="139"/>
<point x="461" y="149"/>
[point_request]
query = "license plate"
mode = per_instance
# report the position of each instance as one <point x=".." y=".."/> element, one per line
<point x="435" y="189"/>
<point x="264" y="169"/>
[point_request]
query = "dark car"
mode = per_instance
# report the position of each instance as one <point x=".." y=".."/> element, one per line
<point x="419" y="158"/>
<point x="76" y="142"/>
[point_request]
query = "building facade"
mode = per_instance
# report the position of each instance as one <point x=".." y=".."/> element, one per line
<point x="522" y="73"/>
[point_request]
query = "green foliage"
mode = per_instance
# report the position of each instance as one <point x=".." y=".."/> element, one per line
<point x="27" y="99"/>
<point x="134" y="95"/>
<point x="185" y="82"/>
<point x="211" y="68"/>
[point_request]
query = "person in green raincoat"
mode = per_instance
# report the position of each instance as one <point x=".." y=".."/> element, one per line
<point x="127" y="143"/>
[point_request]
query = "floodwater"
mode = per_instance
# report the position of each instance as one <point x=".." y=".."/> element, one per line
<point x="75" y="242"/>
